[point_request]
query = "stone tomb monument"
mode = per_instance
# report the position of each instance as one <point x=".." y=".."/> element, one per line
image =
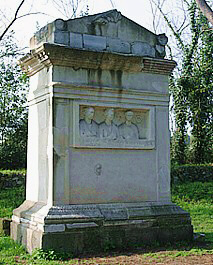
<point x="98" y="149"/>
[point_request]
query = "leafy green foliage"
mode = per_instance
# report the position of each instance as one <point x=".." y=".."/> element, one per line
<point x="192" y="173"/>
<point x="12" y="178"/>
<point x="44" y="255"/>
<point x="13" y="151"/>
<point x="192" y="91"/>
<point x="13" y="111"/>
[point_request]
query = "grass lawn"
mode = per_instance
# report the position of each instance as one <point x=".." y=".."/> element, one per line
<point x="196" y="198"/>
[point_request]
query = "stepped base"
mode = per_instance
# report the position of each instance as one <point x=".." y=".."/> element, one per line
<point x="90" y="228"/>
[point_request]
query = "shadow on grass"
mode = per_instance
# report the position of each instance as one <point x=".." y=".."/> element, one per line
<point x="200" y="246"/>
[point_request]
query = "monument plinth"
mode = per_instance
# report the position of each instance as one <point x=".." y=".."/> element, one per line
<point x="98" y="146"/>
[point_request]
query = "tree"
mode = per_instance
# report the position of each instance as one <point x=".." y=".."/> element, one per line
<point x="13" y="111"/>
<point x="71" y="8"/>
<point x="200" y="96"/>
<point x="13" y="20"/>
<point x="14" y="85"/>
<point x="205" y="8"/>
<point x="16" y="17"/>
<point x="191" y="85"/>
<point x="67" y="8"/>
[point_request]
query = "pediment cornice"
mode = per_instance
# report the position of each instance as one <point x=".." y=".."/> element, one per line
<point x="58" y="55"/>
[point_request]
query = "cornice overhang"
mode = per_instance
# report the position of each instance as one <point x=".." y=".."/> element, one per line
<point x="58" y="55"/>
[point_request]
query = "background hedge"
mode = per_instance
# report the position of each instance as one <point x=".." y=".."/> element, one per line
<point x="191" y="173"/>
<point x="179" y="174"/>
<point x="12" y="178"/>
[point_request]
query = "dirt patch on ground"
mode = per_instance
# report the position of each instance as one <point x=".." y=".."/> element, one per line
<point x="136" y="259"/>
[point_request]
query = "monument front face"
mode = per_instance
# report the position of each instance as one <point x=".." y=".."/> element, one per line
<point x="98" y="158"/>
<point x="110" y="155"/>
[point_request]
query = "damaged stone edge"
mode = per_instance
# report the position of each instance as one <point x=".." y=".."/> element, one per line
<point x="50" y="54"/>
<point x="64" y="218"/>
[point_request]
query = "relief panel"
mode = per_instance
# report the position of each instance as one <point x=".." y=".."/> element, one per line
<point x="113" y="127"/>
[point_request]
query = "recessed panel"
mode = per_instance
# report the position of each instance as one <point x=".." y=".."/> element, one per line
<point x="113" y="127"/>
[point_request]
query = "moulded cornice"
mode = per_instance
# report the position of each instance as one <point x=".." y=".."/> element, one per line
<point x="50" y="54"/>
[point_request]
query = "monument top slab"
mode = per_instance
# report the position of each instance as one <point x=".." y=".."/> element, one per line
<point x="109" y="31"/>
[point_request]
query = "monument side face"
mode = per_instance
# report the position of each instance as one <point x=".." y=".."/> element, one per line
<point x="39" y="160"/>
<point x="98" y="152"/>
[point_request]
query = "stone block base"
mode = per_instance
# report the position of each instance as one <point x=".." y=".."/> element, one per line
<point x="90" y="228"/>
<point x="5" y="226"/>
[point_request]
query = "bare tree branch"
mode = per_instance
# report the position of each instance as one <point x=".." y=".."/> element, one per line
<point x="14" y="19"/>
<point x="68" y="8"/>
<point x="33" y="13"/>
<point x="172" y="27"/>
<point x="186" y="2"/>
<point x="182" y="26"/>
<point x="155" y="18"/>
<point x="206" y="10"/>
<point x="112" y="3"/>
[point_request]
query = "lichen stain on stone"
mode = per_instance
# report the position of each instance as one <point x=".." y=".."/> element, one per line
<point x="91" y="29"/>
<point x="56" y="158"/>
<point x="99" y="75"/>
<point x="76" y="68"/>
<point x="91" y="76"/>
<point x="112" y="74"/>
<point x="119" y="74"/>
<point x="61" y="138"/>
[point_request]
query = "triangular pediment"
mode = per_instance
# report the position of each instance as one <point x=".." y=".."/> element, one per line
<point x="108" y="31"/>
<point x="111" y="24"/>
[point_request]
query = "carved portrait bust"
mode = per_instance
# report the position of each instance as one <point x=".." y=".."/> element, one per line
<point x="108" y="129"/>
<point x="128" y="130"/>
<point x="87" y="126"/>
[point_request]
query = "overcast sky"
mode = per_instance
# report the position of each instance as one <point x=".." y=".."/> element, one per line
<point x="137" y="10"/>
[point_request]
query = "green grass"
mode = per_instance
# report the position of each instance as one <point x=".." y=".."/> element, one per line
<point x="10" y="199"/>
<point x="196" y="198"/>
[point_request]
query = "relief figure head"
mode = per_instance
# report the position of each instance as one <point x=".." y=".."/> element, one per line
<point x="129" y="115"/>
<point x="89" y="113"/>
<point x="109" y="114"/>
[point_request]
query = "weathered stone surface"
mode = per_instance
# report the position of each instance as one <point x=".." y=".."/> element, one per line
<point x="54" y="228"/>
<point x="81" y="225"/>
<point x="60" y="24"/>
<point x="5" y="226"/>
<point x="161" y="224"/>
<point x="113" y="238"/>
<point x="48" y="54"/>
<point x="160" y="50"/>
<point x="117" y="45"/>
<point x="61" y="37"/>
<point x="143" y="49"/>
<point x="97" y="43"/>
<point x="75" y="212"/>
<point x="119" y="31"/>
<point x="76" y="40"/>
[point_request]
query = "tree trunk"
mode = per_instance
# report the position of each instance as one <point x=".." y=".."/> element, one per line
<point x="206" y="10"/>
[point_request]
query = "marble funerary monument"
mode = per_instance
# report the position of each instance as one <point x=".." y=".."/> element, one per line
<point x="98" y="148"/>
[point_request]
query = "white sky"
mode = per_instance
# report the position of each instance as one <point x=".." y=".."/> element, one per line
<point x="136" y="10"/>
